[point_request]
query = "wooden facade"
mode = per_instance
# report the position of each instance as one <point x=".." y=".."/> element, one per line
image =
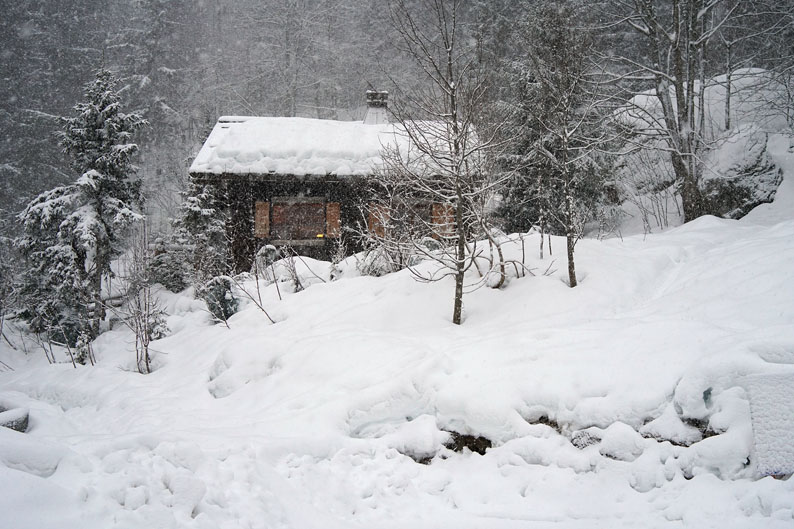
<point x="306" y="213"/>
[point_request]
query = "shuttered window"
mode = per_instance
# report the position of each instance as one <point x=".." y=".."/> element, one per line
<point x="298" y="219"/>
<point x="377" y="214"/>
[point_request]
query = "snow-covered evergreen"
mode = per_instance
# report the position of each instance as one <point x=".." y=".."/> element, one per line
<point x="200" y="232"/>
<point x="73" y="232"/>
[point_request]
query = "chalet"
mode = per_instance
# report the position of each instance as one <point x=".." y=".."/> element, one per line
<point x="294" y="181"/>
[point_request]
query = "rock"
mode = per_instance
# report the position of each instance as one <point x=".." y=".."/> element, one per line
<point x="476" y="444"/>
<point x="743" y="175"/>
<point x="15" y="419"/>
<point x="581" y="439"/>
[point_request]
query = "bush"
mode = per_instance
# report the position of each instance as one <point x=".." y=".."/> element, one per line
<point x="217" y="293"/>
<point x="169" y="266"/>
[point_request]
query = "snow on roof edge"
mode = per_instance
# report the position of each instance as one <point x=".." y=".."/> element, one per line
<point x="294" y="146"/>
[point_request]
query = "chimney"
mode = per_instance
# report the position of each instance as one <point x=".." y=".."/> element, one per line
<point x="377" y="104"/>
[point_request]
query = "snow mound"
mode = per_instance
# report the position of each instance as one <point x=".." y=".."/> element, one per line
<point x="772" y="415"/>
<point x="669" y="426"/>
<point x="621" y="441"/>
<point x="29" y="454"/>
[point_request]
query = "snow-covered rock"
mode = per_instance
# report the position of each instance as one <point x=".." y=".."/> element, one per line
<point x="14" y="418"/>
<point x="669" y="427"/>
<point x="739" y="174"/>
<point x="621" y="441"/>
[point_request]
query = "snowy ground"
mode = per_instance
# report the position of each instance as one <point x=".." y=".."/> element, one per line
<point x="309" y="423"/>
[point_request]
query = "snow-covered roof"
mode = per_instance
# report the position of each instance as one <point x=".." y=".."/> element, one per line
<point x="293" y="146"/>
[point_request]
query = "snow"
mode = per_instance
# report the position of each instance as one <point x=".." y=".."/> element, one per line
<point x="621" y="441"/>
<point x="33" y="456"/>
<point x="294" y="146"/>
<point x="773" y="421"/>
<point x="669" y="426"/>
<point x="317" y="421"/>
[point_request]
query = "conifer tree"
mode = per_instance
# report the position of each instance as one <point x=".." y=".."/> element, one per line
<point x="73" y="232"/>
<point x="200" y="236"/>
<point x="201" y="229"/>
<point x="560" y="175"/>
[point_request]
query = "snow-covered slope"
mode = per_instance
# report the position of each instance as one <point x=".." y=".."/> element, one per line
<point x="596" y="399"/>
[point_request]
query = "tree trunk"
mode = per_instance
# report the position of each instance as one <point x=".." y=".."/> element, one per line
<point x="691" y="198"/>
<point x="678" y="115"/>
<point x="460" y="255"/>
<point x="571" y="266"/>
<point x="728" y="87"/>
<point x="96" y="287"/>
<point x="570" y="235"/>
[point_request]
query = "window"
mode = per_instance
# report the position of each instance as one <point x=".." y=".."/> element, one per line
<point x="297" y="219"/>
<point x="416" y="218"/>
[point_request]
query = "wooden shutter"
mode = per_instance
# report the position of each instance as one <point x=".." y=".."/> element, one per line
<point x="443" y="219"/>
<point x="374" y="224"/>
<point x="333" y="220"/>
<point x="262" y="220"/>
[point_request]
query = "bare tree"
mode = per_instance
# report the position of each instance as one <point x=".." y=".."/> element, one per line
<point x="439" y="162"/>
<point x="140" y="310"/>
<point x="8" y="284"/>
<point x="756" y="33"/>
